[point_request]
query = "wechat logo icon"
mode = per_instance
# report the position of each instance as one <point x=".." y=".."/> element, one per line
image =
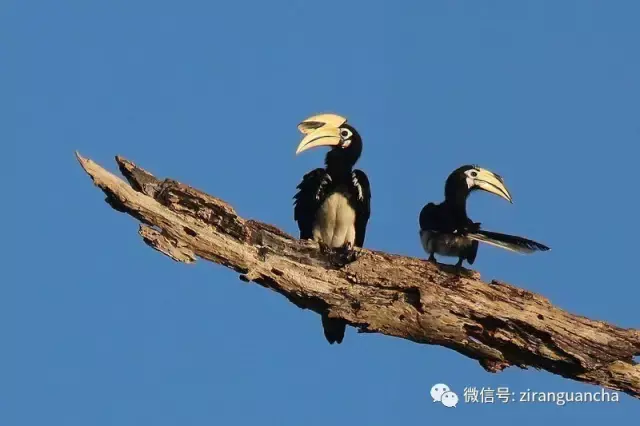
<point x="442" y="393"/>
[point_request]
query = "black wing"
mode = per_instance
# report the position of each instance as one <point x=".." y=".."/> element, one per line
<point x="440" y="218"/>
<point x="362" y="204"/>
<point x="509" y="242"/>
<point x="309" y="198"/>
<point x="430" y="218"/>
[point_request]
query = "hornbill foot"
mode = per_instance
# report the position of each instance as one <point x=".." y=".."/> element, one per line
<point x="461" y="270"/>
<point x="351" y="253"/>
<point x="344" y="255"/>
<point x="324" y="248"/>
<point x="432" y="258"/>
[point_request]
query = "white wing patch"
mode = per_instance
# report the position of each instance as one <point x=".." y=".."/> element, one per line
<point x="326" y="180"/>
<point x="356" y="183"/>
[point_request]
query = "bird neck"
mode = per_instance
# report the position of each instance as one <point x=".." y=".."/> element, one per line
<point x="456" y="200"/>
<point x="339" y="163"/>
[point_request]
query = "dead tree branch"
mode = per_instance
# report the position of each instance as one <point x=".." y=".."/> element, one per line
<point x="495" y="323"/>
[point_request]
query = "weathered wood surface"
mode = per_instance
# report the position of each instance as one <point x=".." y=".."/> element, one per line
<point x="495" y="323"/>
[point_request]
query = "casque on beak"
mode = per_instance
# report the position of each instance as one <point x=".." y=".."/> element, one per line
<point x="320" y="130"/>
<point x="491" y="182"/>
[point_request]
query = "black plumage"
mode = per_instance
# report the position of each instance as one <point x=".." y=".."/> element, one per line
<point x="446" y="229"/>
<point x="332" y="205"/>
<point x="317" y="186"/>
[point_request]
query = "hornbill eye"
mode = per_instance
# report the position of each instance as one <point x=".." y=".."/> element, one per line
<point x="473" y="173"/>
<point x="345" y="133"/>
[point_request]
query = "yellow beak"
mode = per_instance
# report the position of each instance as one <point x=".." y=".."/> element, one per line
<point x="491" y="182"/>
<point x="320" y="130"/>
<point x="324" y="136"/>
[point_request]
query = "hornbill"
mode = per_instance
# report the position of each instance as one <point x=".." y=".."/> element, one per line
<point x="332" y="205"/>
<point x="445" y="228"/>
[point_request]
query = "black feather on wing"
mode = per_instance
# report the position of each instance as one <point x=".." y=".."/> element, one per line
<point x="362" y="204"/>
<point x="440" y="218"/>
<point x="311" y="194"/>
<point x="429" y="218"/>
<point x="509" y="242"/>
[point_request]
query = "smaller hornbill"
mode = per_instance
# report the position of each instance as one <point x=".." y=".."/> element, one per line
<point x="445" y="228"/>
<point x="332" y="205"/>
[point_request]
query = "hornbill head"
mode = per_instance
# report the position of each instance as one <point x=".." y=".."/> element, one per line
<point x="469" y="178"/>
<point x="329" y="130"/>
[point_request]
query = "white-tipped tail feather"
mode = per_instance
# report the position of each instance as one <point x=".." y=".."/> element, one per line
<point x="508" y="242"/>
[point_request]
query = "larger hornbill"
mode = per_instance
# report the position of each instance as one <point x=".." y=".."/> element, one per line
<point x="445" y="228"/>
<point x="332" y="205"/>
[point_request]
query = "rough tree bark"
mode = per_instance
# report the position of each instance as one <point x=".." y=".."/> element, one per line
<point x="495" y="323"/>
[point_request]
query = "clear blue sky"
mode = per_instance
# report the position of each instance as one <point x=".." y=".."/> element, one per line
<point x="97" y="329"/>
